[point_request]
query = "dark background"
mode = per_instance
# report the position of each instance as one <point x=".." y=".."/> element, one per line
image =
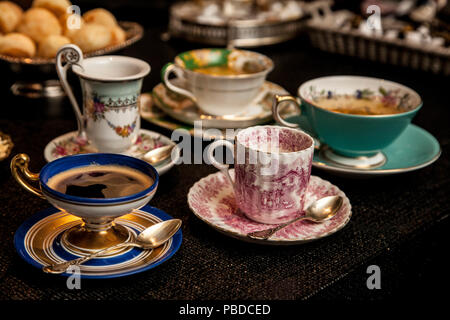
<point x="154" y="12"/>
<point x="412" y="259"/>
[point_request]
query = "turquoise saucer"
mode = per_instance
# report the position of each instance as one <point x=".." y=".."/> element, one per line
<point x="415" y="148"/>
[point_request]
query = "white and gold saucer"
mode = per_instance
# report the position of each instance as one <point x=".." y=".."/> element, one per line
<point x="38" y="242"/>
<point x="185" y="111"/>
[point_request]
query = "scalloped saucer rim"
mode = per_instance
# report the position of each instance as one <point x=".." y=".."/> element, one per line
<point x="162" y="167"/>
<point x="344" y="214"/>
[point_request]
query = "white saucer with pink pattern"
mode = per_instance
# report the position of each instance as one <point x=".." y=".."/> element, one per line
<point x="212" y="200"/>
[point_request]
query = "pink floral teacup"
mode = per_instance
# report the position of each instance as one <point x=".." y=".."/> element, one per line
<point x="272" y="169"/>
<point x="111" y="87"/>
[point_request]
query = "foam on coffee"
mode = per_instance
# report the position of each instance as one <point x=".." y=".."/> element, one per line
<point x="100" y="181"/>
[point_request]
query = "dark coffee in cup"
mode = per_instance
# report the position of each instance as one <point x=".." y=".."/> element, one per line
<point x="100" y="181"/>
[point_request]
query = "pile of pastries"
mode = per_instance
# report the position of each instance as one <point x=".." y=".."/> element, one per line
<point x="41" y="30"/>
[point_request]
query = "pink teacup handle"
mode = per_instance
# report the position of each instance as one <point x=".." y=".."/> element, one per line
<point x="223" y="167"/>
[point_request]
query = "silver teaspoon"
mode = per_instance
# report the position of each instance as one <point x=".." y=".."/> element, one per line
<point x="319" y="211"/>
<point x="159" y="154"/>
<point x="152" y="237"/>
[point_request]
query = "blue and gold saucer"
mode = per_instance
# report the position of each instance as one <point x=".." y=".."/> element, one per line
<point x="38" y="242"/>
<point x="414" y="149"/>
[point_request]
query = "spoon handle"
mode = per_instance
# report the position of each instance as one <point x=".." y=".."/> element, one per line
<point x="267" y="233"/>
<point x="58" y="268"/>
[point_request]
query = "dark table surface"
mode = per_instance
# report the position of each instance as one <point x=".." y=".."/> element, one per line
<point x="399" y="223"/>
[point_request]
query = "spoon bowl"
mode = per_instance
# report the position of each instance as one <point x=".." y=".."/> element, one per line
<point x="150" y="238"/>
<point x="324" y="209"/>
<point x="157" y="234"/>
<point x="159" y="154"/>
<point x="320" y="210"/>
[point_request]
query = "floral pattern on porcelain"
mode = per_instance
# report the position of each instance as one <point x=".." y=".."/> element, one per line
<point x="202" y="58"/>
<point x="213" y="201"/>
<point x="123" y="131"/>
<point x="391" y="97"/>
<point x="97" y="107"/>
<point x="77" y="145"/>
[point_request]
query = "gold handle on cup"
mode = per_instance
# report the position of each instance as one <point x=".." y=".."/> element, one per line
<point x="277" y="101"/>
<point x="20" y="172"/>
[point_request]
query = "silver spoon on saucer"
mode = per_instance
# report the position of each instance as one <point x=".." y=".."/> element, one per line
<point x="159" y="154"/>
<point x="152" y="237"/>
<point x="319" y="211"/>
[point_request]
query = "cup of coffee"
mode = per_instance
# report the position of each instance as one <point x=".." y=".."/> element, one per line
<point x="272" y="169"/>
<point x="97" y="187"/>
<point x="111" y="88"/>
<point x="355" y="116"/>
<point x="220" y="81"/>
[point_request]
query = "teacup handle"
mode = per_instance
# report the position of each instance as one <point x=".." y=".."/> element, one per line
<point x="72" y="55"/>
<point x="277" y="101"/>
<point x="20" y="172"/>
<point x="223" y="167"/>
<point x="165" y="73"/>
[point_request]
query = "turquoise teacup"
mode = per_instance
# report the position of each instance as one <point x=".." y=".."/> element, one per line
<point x="353" y="135"/>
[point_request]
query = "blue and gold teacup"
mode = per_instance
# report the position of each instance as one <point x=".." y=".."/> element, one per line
<point x="347" y="134"/>
<point x="96" y="229"/>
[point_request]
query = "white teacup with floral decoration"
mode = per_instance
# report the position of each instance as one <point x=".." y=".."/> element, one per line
<point x="215" y="93"/>
<point x="111" y="86"/>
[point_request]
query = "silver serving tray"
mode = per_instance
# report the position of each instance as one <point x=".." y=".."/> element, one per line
<point x="239" y="33"/>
